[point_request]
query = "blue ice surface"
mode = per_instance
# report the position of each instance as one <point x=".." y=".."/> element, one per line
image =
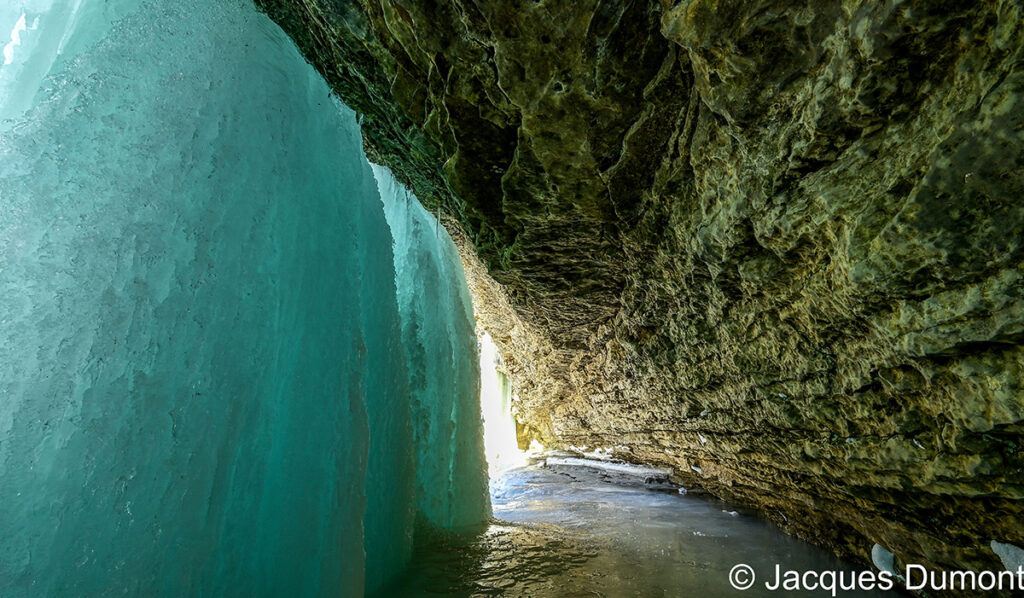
<point x="211" y="381"/>
<point x="438" y="331"/>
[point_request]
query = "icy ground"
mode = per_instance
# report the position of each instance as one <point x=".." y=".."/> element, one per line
<point x="569" y="530"/>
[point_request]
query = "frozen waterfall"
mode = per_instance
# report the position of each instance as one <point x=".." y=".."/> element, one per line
<point x="210" y="382"/>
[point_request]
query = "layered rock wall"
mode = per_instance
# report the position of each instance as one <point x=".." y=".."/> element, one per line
<point x="776" y="245"/>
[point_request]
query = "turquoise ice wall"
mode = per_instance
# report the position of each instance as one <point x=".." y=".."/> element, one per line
<point x="439" y="347"/>
<point x="207" y="381"/>
<point x="439" y="339"/>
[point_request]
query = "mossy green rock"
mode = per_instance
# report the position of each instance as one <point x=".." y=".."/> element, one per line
<point x="776" y="245"/>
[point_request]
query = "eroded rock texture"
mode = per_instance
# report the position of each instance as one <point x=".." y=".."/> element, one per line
<point x="773" y="244"/>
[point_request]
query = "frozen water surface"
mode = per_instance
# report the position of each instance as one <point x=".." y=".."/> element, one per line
<point x="569" y="530"/>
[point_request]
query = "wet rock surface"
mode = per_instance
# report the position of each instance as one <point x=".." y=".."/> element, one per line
<point x="774" y="245"/>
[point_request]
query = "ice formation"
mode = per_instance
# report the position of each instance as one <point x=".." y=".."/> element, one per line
<point x="1011" y="556"/>
<point x="500" y="441"/>
<point x="208" y="382"/>
<point x="440" y="345"/>
<point x="639" y="471"/>
<point x="883" y="559"/>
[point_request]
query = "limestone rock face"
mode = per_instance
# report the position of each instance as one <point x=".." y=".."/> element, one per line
<point x="775" y="245"/>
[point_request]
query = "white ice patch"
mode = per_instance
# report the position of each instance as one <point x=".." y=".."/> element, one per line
<point x="1012" y="556"/>
<point x="883" y="559"/>
<point x="19" y="26"/>
<point x="600" y="453"/>
<point x="641" y="471"/>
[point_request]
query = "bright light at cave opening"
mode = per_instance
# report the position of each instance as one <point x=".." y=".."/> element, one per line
<point x="496" y="407"/>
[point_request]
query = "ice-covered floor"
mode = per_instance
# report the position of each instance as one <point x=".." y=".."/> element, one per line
<point x="567" y="530"/>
